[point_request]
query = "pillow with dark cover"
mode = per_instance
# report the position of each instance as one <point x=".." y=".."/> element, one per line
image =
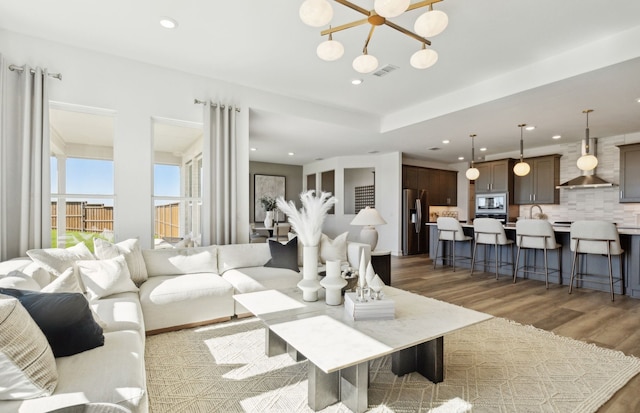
<point x="64" y="318"/>
<point x="284" y="255"/>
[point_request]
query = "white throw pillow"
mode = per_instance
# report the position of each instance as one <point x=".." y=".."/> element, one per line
<point x="333" y="249"/>
<point x="132" y="254"/>
<point x="18" y="280"/>
<point x="102" y="278"/>
<point x="27" y="366"/>
<point x="57" y="260"/>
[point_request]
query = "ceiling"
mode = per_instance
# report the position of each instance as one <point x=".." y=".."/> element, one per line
<point x="501" y="63"/>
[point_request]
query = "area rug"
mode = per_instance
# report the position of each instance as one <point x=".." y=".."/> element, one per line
<point x="495" y="366"/>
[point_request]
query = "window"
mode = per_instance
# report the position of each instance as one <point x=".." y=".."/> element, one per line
<point x="82" y="176"/>
<point x="177" y="187"/>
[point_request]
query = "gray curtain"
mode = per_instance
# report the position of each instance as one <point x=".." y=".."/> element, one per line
<point x="220" y="175"/>
<point x="25" y="192"/>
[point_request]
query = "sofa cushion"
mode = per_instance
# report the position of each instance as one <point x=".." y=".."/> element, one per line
<point x="120" y="312"/>
<point x="284" y="255"/>
<point x="26" y="360"/>
<point x="242" y="255"/>
<point x="333" y="249"/>
<point x="103" y="278"/>
<point x="56" y="260"/>
<point x="251" y="279"/>
<point x="174" y="261"/>
<point x="64" y="318"/>
<point x="17" y="279"/>
<point x="132" y="254"/>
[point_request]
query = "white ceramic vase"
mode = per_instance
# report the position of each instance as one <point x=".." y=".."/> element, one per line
<point x="309" y="283"/>
<point x="333" y="283"/>
<point x="268" y="219"/>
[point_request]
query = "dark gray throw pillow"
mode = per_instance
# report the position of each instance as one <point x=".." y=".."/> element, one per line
<point x="64" y="318"/>
<point x="284" y="255"/>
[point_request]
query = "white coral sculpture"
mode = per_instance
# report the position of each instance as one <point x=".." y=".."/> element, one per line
<point x="307" y="222"/>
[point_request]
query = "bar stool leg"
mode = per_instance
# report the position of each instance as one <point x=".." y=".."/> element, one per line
<point x="546" y="267"/>
<point x="473" y="258"/>
<point x="495" y="246"/>
<point x="435" y="259"/>
<point x="573" y="268"/>
<point x="610" y="274"/>
<point x="515" y="273"/>
<point x="453" y="249"/>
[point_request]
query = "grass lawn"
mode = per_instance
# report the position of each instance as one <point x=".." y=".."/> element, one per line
<point x="75" y="237"/>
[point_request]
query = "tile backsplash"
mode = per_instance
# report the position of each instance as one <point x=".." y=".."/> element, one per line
<point x="593" y="203"/>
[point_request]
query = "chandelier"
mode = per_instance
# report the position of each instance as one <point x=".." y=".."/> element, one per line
<point x="318" y="13"/>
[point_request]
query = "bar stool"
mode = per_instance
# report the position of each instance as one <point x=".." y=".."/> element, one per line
<point x="489" y="231"/>
<point x="449" y="229"/>
<point x="595" y="237"/>
<point x="536" y="234"/>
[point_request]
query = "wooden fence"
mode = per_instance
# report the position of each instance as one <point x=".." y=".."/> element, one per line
<point x="84" y="217"/>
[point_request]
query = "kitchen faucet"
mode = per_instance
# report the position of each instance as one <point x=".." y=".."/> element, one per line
<point x="531" y="211"/>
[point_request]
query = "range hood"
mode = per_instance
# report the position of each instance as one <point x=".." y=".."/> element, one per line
<point x="588" y="179"/>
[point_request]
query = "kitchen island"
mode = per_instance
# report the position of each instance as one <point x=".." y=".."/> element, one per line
<point x="629" y="239"/>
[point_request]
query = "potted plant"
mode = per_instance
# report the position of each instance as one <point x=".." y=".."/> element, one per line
<point x="269" y="205"/>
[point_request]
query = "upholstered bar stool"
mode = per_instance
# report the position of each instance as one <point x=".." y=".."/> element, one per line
<point x="536" y="234"/>
<point x="488" y="232"/>
<point x="449" y="229"/>
<point x="595" y="237"/>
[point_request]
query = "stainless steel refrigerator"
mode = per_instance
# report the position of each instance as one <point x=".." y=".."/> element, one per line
<point x="415" y="234"/>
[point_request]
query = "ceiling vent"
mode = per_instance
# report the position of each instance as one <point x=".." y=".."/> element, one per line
<point x="385" y="70"/>
<point x="435" y="148"/>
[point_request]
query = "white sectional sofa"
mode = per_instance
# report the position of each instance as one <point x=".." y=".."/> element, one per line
<point x="184" y="287"/>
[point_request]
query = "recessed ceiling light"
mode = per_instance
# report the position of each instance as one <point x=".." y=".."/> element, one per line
<point x="356" y="82"/>
<point x="253" y="149"/>
<point x="483" y="149"/>
<point x="168" y="23"/>
<point x="638" y="100"/>
<point x="531" y="127"/>
<point x="461" y="158"/>
<point x="291" y="154"/>
<point x="446" y="141"/>
<point x="556" y="137"/>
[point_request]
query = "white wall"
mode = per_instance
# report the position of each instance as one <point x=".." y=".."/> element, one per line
<point x="388" y="168"/>
<point x="137" y="92"/>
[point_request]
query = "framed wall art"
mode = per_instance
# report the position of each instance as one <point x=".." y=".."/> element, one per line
<point x="266" y="185"/>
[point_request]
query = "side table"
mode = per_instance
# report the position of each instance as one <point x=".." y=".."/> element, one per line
<point x="381" y="263"/>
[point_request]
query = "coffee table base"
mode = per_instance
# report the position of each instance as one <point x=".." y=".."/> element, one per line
<point x="425" y="358"/>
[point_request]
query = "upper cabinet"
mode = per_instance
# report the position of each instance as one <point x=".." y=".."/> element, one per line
<point x="441" y="185"/>
<point x="539" y="185"/>
<point x="630" y="173"/>
<point x="495" y="176"/>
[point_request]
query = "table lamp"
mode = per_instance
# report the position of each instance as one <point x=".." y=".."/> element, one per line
<point x="368" y="217"/>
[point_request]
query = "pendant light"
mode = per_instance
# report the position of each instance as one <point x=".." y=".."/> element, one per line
<point x="472" y="173"/>
<point x="587" y="162"/>
<point x="316" y="13"/>
<point x="521" y="168"/>
<point x="330" y="50"/>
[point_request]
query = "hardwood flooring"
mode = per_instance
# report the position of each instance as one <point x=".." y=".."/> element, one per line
<point x="585" y="315"/>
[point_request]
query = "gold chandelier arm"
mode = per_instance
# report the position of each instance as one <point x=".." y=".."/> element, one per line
<point x="343" y="27"/>
<point x="422" y="4"/>
<point x="366" y="43"/>
<point x="407" y="32"/>
<point x="358" y="8"/>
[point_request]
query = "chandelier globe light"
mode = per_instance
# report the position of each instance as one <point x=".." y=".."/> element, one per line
<point x="472" y="173"/>
<point x="424" y="58"/>
<point x="391" y="8"/>
<point x="365" y="63"/>
<point x="316" y="13"/>
<point x="521" y="168"/>
<point x="431" y="23"/>
<point x="330" y="50"/>
<point x="587" y="162"/>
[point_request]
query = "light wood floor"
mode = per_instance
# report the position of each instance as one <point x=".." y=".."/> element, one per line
<point x="585" y="315"/>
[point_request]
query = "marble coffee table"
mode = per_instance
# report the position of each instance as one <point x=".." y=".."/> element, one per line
<point x="339" y="349"/>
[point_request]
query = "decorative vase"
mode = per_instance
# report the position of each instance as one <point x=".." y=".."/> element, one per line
<point x="268" y="219"/>
<point x="333" y="283"/>
<point x="309" y="283"/>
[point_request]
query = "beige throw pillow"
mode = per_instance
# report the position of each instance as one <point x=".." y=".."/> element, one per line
<point x="333" y="249"/>
<point x="57" y="260"/>
<point x="103" y="278"/>
<point x="26" y="360"/>
<point x="132" y="254"/>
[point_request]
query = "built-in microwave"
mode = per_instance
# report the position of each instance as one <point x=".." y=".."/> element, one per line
<point x="491" y="204"/>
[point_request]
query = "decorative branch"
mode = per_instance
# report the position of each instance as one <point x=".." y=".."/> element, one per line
<point x="307" y="222"/>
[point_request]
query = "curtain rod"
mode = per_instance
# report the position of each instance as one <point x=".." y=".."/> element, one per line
<point x="15" y="68"/>
<point x="215" y="105"/>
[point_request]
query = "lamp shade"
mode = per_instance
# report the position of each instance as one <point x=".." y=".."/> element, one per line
<point x="472" y="174"/>
<point x="316" y="13"/>
<point x="330" y="50"/>
<point x="391" y="8"/>
<point x="368" y="216"/>
<point x="431" y="23"/>
<point x="424" y="58"/>
<point x="587" y="162"/>
<point x="365" y="63"/>
<point x="521" y="168"/>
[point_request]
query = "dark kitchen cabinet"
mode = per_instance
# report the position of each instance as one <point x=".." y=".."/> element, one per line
<point x="409" y="177"/>
<point x="630" y="173"/>
<point x="441" y="185"/>
<point x="495" y="176"/>
<point x="539" y="185"/>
